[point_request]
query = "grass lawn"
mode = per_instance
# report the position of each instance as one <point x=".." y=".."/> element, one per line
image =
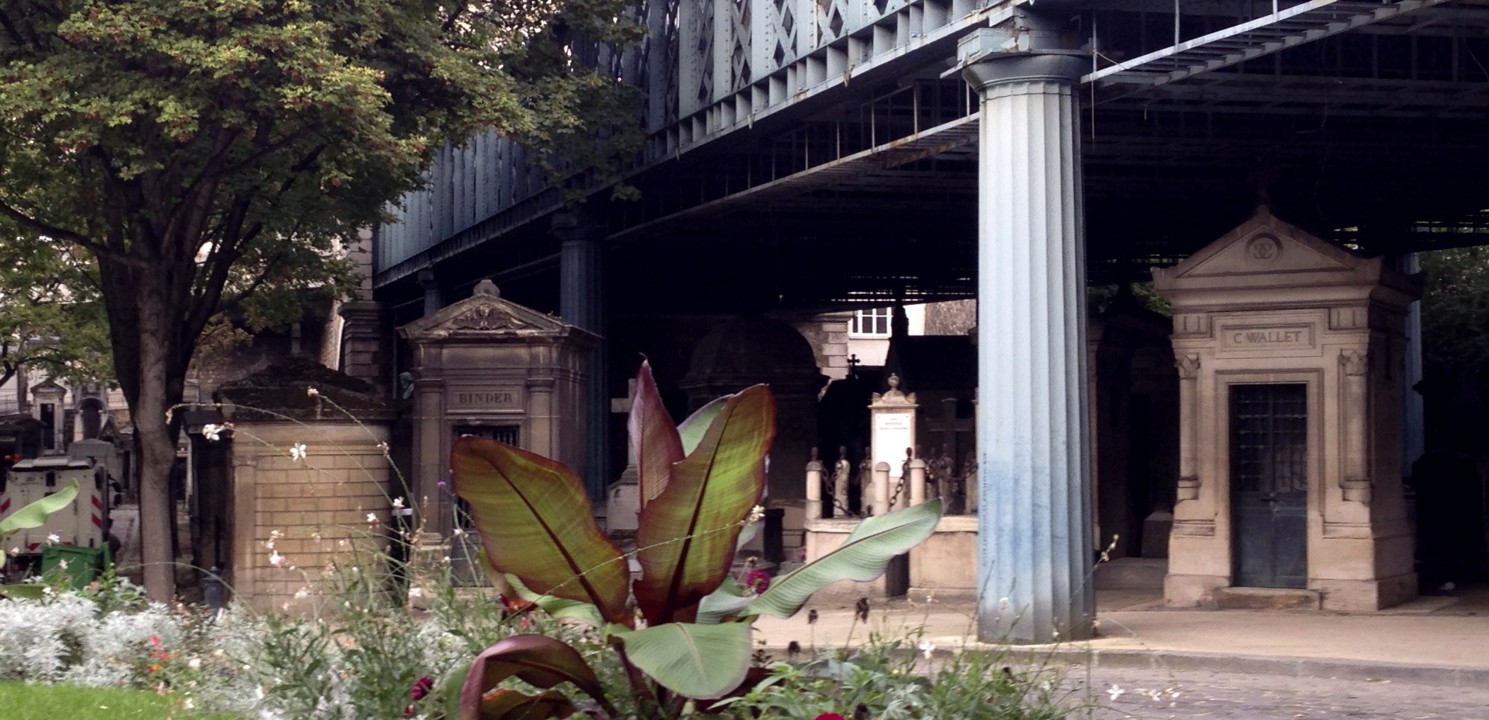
<point x="19" y="701"/>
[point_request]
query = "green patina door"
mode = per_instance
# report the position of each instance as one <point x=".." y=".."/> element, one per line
<point x="1269" y="484"/>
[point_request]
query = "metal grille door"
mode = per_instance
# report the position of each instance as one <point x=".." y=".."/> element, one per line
<point x="1269" y="484"/>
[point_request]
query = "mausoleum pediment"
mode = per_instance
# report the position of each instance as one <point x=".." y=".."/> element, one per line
<point x="1269" y="259"/>
<point x="486" y="316"/>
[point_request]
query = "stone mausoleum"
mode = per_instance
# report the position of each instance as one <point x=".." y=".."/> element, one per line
<point x="1291" y="355"/>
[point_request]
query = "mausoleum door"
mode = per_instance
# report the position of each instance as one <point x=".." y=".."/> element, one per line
<point x="1269" y="484"/>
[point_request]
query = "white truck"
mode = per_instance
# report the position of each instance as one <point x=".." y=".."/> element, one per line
<point x="85" y="524"/>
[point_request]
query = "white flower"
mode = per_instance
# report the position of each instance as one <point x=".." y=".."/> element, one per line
<point x="756" y="513"/>
<point x="194" y="663"/>
<point x="312" y="392"/>
<point x="15" y="550"/>
<point x="212" y="432"/>
<point x="1114" y="692"/>
<point x="301" y="594"/>
<point x="372" y="518"/>
<point x="276" y="559"/>
<point x="62" y="565"/>
<point x="398" y="503"/>
<point x="416" y="592"/>
<point x="53" y="538"/>
<point x="926" y="648"/>
<point x="297" y="452"/>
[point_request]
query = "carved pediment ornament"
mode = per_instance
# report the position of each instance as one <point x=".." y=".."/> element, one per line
<point x="486" y="317"/>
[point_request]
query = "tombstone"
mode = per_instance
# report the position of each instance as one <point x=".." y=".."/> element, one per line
<point x="623" y="497"/>
<point x="1290" y="354"/>
<point x="489" y="367"/>
<point x="893" y="427"/>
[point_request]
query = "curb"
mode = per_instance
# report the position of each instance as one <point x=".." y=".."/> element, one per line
<point x="1296" y="667"/>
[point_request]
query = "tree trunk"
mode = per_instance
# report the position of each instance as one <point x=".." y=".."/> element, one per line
<point x="146" y="328"/>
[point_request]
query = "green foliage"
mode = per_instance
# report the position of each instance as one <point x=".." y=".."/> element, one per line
<point x="215" y="157"/>
<point x="51" y="319"/>
<point x="1455" y="308"/>
<point x="892" y="680"/>
<point x="701" y="483"/>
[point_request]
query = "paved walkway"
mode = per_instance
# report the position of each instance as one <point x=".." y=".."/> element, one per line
<point x="1434" y="640"/>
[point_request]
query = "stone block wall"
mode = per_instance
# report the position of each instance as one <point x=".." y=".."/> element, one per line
<point x="315" y="510"/>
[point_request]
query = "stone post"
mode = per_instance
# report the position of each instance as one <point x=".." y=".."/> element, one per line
<point x="881" y="489"/>
<point x="813" y="509"/>
<point x="917" y="481"/>
<point x="1035" y="538"/>
<point x="1188" y="367"/>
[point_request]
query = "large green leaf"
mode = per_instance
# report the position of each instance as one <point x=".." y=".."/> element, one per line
<point x="687" y="535"/>
<point x="697" y="661"/>
<point x="863" y="557"/>
<point x="35" y="514"/>
<point x="535" y="523"/>
<point x="558" y="608"/>
<point x="537" y="660"/>
<point x="654" y="440"/>
<point x="692" y="429"/>
<point x="728" y="600"/>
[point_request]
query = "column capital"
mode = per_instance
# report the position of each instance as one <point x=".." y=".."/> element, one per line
<point x="1035" y="67"/>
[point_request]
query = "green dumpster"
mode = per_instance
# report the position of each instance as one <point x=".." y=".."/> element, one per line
<point x="83" y="564"/>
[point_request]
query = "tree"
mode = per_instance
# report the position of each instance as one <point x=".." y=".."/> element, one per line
<point x="1455" y="308"/>
<point x="199" y="150"/>
<point x="51" y="319"/>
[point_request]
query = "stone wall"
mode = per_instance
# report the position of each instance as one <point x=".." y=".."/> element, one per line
<point x="319" y="506"/>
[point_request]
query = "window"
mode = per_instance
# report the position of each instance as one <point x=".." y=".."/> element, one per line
<point x="871" y="322"/>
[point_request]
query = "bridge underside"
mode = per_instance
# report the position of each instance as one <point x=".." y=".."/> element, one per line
<point x="1375" y="136"/>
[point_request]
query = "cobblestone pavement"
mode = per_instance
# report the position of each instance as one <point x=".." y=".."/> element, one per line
<point x="1226" y="696"/>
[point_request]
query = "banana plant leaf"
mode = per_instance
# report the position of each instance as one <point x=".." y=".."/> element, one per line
<point x="863" y="556"/>
<point x="507" y="704"/>
<point x="725" y="602"/>
<point x="34" y="514"/>
<point x="696" y="661"/>
<point x="654" y="440"/>
<point x="692" y="429"/>
<point x="535" y="523"/>
<point x="540" y="661"/>
<point x="687" y="535"/>
<point x="558" y="608"/>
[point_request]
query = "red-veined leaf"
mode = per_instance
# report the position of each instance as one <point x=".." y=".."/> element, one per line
<point x="537" y="660"/>
<point x="686" y="538"/>
<point x="654" y="440"/>
<point x="535" y="523"/>
<point x="513" y="705"/>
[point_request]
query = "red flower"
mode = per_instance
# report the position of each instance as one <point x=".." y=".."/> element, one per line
<point x="421" y="688"/>
<point x="758" y="580"/>
<point x="829" y="716"/>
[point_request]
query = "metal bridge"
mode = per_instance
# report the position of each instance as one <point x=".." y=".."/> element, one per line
<point x="805" y="155"/>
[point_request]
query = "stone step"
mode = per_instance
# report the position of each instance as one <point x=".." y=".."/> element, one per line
<point x="1246" y="598"/>
<point x="1131" y="573"/>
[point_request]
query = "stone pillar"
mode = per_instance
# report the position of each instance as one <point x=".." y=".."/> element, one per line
<point x="881" y="489"/>
<point x="1035" y="536"/>
<point x="813" y="508"/>
<point x="581" y="302"/>
<point x="1355" y="417"/>
<point x="917" y="481"/>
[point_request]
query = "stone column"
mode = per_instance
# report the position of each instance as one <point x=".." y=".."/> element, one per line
<point x="813" y="509"/>
<point x="581" y="302"/>
<point x="1034" y="538"/>
<point x="1355" y="418"/>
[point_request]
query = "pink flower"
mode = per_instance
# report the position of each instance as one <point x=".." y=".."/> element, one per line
<point x="829" y="716"/>
<point x="758" y="581"/>
<point x="421" y="688"/>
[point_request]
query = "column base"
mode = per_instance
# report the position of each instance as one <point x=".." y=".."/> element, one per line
<point x="1365" y="595"/>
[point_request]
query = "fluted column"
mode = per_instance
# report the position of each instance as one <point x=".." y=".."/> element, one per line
<point x="1034" y="551"/>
